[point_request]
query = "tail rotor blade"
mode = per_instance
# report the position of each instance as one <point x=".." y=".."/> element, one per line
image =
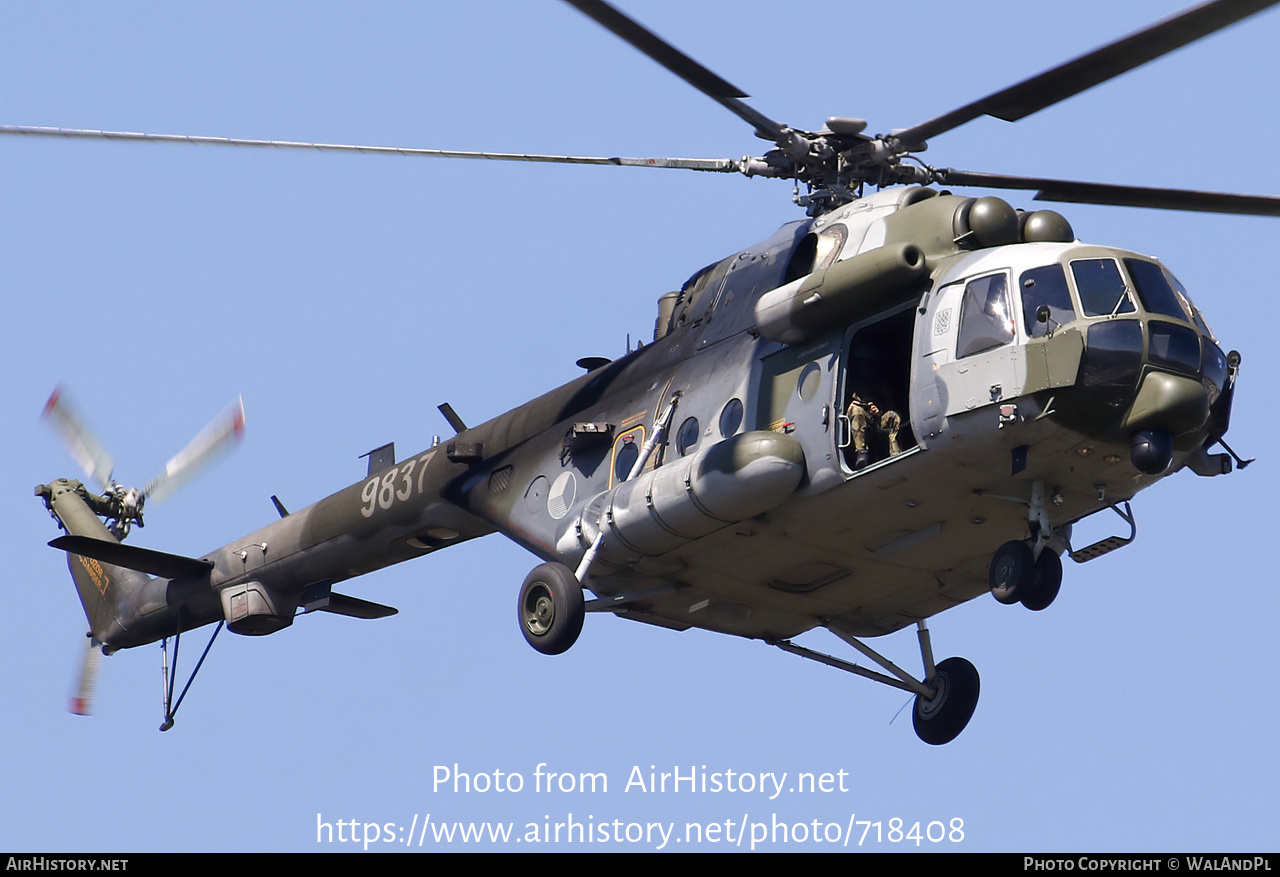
<point x="82" y="701"/>
<point x="212" y="440"/>
<point x="80" y="441"/>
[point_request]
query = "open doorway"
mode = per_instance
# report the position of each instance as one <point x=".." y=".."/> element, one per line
<point x="875" y="417"/>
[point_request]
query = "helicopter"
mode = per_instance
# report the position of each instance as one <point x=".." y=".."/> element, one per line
<point x="675" y="506"/>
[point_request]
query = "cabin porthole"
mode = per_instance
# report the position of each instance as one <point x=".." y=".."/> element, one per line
<point x="730" y="417"/>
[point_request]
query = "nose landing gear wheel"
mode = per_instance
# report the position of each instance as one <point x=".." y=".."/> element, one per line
<point x="940" y="719"/>
<point x="551" y="608"/>
<point x="1046" y="578"/>
<point x="1011" y="571"/>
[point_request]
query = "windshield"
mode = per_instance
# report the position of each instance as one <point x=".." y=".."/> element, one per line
<point x="1102" y="290"/>
<point x="1196" y="316"/>
<point x="1154" y="290"/>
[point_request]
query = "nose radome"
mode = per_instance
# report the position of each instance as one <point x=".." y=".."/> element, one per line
<point x="1173" y="403"/>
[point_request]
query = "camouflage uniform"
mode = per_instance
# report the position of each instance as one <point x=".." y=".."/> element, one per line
<point x="865" y="415"/>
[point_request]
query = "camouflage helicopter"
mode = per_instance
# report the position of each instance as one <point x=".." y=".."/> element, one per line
<point x="732" y="475"/>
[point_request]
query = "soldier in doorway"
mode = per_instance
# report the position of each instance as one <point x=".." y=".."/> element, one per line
<point x="865" y="415"/>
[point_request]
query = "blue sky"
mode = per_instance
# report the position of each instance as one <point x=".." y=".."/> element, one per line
<point x="346" y="296"/>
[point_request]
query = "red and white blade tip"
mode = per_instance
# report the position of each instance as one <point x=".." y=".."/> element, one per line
<point x="81" y="703"/>
<point x="84" y="447"/>
<point x="53" y="401"/>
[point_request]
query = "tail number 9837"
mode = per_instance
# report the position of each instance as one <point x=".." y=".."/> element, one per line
<point x="395" y="485"/>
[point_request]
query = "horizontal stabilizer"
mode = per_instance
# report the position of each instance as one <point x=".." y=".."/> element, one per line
<point x="156" y="563"/>
<point x="353" y="607"/>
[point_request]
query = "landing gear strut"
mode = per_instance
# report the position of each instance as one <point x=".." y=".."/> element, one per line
<point x="945" y="699"/>
<point x="1028" y="574"/>
<point x="551" y="608"/>
<point x="551" y="603"/>
<point x="170" y="673"/>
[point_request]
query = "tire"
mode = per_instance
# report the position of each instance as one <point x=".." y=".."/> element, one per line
<point x="941" y="719"/>
<point x="1012" y="567"/>
<point x="1046" y="579"/>
<point x="551" y="608"/>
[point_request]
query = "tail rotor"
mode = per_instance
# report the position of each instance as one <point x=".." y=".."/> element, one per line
<point x="79" y="439"/>
<point x="122" y="506"/>
<point x="221" y="432"/>
<point x="87" y="684"/>
<point x="104" y="587"/>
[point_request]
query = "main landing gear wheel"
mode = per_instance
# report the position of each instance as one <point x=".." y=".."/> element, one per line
<point x="551" y="608"/>
<point x="941" y="718"/>
<point x="1012" y="569"/>
<point x="1046" y="578"/>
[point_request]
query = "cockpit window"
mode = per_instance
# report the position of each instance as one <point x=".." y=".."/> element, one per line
<point x="1214" y="370"/>
<point x="1196" y="316"/>
<point x="1102" y="289"/>
<point x="986" y="319"/>
<point x="1112" y="356"/>
<point x="1174" y="347"/>
<point x="1154" y="290"/>
<point x="1046" y="286"/>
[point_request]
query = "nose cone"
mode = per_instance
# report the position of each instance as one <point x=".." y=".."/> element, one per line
<point x="1171" y="403"/>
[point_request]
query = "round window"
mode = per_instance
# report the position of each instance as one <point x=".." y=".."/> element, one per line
<point x="810" y="380"/>
<point x="687" y="437"/>
<point x="731" y="417"/>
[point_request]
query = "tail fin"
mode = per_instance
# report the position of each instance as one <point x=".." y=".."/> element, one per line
<point x="102" y="586"/>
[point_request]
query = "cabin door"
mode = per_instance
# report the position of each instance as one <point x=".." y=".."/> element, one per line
<point x="873" y="401"/>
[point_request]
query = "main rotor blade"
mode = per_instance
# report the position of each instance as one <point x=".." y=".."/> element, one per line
<point x="79" y="440"/>
<point x="719" y="165"/>
<point x="1075" y="192"/>
<point x="221" y="431"/>
<point x="1086" y="71"/>
<point x="681" y="65"/>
